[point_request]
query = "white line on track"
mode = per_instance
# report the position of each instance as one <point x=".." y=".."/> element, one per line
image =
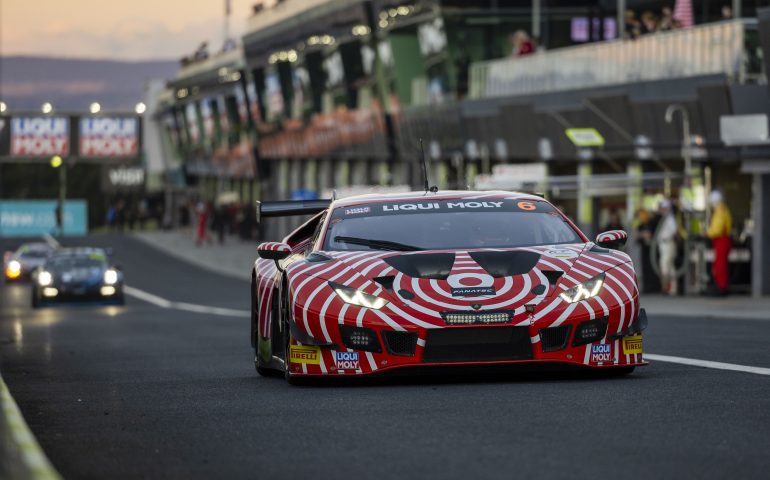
<point x="187" y="307"/>
<point x="708" y="364"/>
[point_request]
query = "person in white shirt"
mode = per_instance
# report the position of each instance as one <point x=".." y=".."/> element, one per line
<point x="665" y="238"/>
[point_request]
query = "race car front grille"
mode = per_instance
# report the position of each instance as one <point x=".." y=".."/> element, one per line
<point x="477" y="344"/>
<point x="469" y="318"/>
<point x="400" y="343"/>
<point x="554" y="338"/>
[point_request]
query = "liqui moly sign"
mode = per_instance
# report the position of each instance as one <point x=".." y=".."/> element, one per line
<point x="106" y="137"/>
<point x="40" y="136"/>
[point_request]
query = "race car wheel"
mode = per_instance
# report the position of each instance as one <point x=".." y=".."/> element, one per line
<point x="35" y="299"/>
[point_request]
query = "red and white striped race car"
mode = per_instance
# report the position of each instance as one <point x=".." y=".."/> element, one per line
<point x="379" y="283"/>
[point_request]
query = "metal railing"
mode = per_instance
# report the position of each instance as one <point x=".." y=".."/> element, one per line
<point x="717" y="48"/>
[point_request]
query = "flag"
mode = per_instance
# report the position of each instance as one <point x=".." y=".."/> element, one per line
<point x="683" y="13"/>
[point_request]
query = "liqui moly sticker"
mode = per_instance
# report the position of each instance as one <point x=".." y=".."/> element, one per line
<point x="601" y="352"/>
<point x="347" y="361"/>
<point x="40" y="136"/>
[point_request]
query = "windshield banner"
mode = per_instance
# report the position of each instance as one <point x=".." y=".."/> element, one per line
<point x="444" y="206"/>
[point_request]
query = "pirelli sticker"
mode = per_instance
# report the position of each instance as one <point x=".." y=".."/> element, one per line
<point x="308" y="355"/>
<point x="632" y="345"/>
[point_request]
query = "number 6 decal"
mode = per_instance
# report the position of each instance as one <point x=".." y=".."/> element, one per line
<point x="529" y="206"/>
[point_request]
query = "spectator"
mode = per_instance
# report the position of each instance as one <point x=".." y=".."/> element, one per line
<point x="665" y="238"/>
<point x="632" y="27"/>
<point x="649" y="23"/>
<point x="727" y="12"/>
<point x="521" y="44"/>
<point x="219" y="222"/>
<point x="201" y="213"/>
<point x="667" y="20"/>
<point x="112" y="217"/>
<point x="719" y="231"/>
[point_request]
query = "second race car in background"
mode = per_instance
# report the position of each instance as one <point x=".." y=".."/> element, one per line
<point x="77" y="275"/>
<point x="20" y="264"/>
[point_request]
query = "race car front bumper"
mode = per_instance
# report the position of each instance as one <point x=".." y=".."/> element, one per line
<point x="592" y="343"/>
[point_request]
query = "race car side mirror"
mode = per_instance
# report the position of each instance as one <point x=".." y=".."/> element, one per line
<point x="613" y="239"/>
<point x="273" y="250"/>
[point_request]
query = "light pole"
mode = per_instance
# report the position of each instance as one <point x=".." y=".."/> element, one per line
<point x="689" y="191"/>
<point x="58" y="163"/>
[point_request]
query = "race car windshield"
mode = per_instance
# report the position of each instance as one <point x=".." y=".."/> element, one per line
<point x="68" y="263"/>
<point x="447" y="224"/>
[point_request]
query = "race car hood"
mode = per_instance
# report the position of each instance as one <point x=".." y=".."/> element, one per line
<point x="473" y="280"/>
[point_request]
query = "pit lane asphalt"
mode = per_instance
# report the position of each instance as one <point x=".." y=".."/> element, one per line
<point x="145" y="392"/>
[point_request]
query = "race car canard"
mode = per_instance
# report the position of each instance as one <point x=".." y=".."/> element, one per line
<point x="383" y="283"/>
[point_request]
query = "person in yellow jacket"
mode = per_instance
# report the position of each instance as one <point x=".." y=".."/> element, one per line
<point x="719" y="231"/>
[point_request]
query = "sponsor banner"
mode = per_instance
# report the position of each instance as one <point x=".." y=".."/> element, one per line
<point x="632" y="345"/>
<point x="306" y="354"/>
<point x="109" y="137"/>
<point x="36" y="217"/>
<point x="122" y="178"/>
<point x="347" y="361"/>
<point x="601" y="352"/>
<point x="40" y="136"/>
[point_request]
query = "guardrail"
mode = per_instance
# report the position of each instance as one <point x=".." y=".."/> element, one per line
<point x="708" y="49"/>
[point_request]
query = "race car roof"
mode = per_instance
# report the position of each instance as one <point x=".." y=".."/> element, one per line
<point x="422" y="196"/>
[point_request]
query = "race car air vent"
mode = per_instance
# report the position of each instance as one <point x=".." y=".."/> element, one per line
<point x="386" y="282"/>
<point x="539" y="289"/>
<point x="554" y="338"/>
<point x="553" y="276"/>
<point x="400" y="343"/>
<point x="469" y="318"/>
<point x="590" y="331"/>
<point x="435" y="266"/>
<point x="506" y="264"/>
<point x="316" y="257"/>
<point x="477" y="344"/>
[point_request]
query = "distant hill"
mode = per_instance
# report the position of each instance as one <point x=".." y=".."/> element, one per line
<point x="72" y="84"/>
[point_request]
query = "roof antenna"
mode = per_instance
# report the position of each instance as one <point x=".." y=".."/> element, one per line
<point x="434" y="188"/>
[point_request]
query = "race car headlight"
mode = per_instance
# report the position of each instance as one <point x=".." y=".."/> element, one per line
<point x="44" y="278"/>
<point x="110" y="277"/>
<point x="357" y="297"/>
<point x="13" y="269"/>
<point x="584" y="291"/>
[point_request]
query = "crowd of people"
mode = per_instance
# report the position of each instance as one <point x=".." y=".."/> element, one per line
<point x="648" y="22"/>
<point x="658" y="245"/>
<point x="218" y="220"/>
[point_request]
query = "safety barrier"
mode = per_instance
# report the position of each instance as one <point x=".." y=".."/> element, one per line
<point x="20" y="455"/>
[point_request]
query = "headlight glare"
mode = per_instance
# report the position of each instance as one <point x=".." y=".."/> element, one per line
<point x="44" y="278"/>
<point x="110" y="277"/>
<point x="357" y="297"/>
<point x="584" y="291"/>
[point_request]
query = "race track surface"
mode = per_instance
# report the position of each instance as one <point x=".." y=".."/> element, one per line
<point x="143" y="391"/>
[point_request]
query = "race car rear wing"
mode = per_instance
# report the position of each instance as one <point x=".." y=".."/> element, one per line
<point x="286" y="208"/>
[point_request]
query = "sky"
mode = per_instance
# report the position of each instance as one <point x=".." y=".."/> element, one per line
<point x="115" y="29"/>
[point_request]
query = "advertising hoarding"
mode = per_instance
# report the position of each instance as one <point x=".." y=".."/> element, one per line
<point x="40" y="136"/>
<point x="109" y="137"/>
<point x="36" y="217"/>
